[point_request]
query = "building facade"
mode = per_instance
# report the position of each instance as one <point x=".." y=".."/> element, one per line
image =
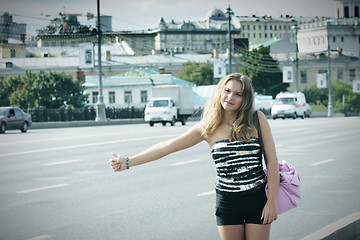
<point x="10" y="29"/>
<point x="131" y="89"/>
<point x="261" y="29"/>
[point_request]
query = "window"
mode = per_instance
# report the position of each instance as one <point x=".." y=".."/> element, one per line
<point x="303" y="76"/>
<point x="275" y="27"/>
<point x="53" y="44"/>
<point x="356" y="11"/>
<point x="143" y="96"/>
<point x="340" y="74"/>
<point x="73" y="43"/>
<point x="254" y="35"/>
<point x="95" y="97"/>
<point x="265" y="35"/>
<point x="254" y="27"/>
<point x="342" y="38"/>
<point x="62" y="43"/>
<point x="270" y="27"/>
<point x="145" y="43"/>
<point x="259" y="27"/>
<point x="346" y="12"/>
<point x="352" y="74"/>
<point x="127" y="97"/>
<point x="334" y="39"/>
<point x="279" y="27"/>
<point x="259" y="35"/>
<point x="46" y="44"/>
<point x="248" y="27"/>
<point x="133" y="44"/>
<point x="265" y="27"/>
<point x="12" y="53"/>
<point x="111" y="97"/>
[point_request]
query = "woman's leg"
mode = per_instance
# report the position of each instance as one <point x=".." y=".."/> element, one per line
<point x="232" y="232"/>
<point x="257" y="231"/>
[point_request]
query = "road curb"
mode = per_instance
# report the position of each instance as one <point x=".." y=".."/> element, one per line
<point x="41" y="125"/>
<point x="345" y="228"/>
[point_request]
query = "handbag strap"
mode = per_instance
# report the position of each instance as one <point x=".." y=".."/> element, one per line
<point x="258" y="128"/>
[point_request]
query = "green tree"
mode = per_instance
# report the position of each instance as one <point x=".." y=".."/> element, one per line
<point x="351" y="99"/>
<point x="263" y="71"/>
<point x="318" y="96"/>
<point x="51" y="90"/>
<point x="198" y="73"/>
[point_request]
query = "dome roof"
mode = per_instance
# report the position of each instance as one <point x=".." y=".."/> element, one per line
<point x="216" y="13"/>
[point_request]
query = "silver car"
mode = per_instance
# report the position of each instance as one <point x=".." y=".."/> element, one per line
<point x="14" y="118"/>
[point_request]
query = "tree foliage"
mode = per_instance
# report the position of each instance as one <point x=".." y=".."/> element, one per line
<point x="51" y="90"/>
<point x="198" y="73"/>
<point x="263" y="71"/>
<point x="339" y="89"/>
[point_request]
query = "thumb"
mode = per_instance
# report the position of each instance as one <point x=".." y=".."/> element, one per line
<point x="115" y="154"/>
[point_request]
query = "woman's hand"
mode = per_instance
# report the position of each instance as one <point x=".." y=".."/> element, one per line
<point x="270" y="212"/>
<point x="118" y="163"/>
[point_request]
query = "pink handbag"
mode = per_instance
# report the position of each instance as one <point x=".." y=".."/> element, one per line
<point x="289" y="189"/>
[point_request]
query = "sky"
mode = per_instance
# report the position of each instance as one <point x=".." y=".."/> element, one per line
<point x="145" y="14"/>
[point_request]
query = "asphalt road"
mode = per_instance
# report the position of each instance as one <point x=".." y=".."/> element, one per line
<point x="57" y="184"/>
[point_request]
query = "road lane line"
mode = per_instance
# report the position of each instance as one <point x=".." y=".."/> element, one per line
<point x="329" y="136"/>
<point x="85" y="145"/>
<point x="62" y="162"/>
<point x="332" y="228"/>
<point x="40" y="237"/>
<point x="322" y="162"/>
<point x="42" y="188"/>
<point x="206" y="193"/>
<point x="185" y="162"/>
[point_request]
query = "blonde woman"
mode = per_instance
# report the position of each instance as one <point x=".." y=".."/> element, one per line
<point x="242" y="209"/>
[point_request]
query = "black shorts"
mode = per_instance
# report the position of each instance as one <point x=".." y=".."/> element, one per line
<point x="240" y="208"/>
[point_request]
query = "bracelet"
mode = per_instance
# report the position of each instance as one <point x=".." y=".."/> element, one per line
<point x="127" y="163"/>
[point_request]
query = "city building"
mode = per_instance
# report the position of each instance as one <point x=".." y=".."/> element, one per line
<point x="259" y="29"/>
<point x="11" y="30"/>
<point x="130" y="89"/>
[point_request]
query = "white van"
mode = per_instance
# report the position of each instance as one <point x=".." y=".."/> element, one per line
<point x="289" y="105"/>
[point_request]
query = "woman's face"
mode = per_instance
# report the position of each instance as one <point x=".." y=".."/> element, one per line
<point x="231" y="97"/>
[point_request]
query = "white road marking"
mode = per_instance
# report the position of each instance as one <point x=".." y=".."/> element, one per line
<point x="62" y="162"/>
<point x="185" y="162"/>
<point x="84" y="145"/>
<point x="329" y="136"/>
<point x="322" y="162"/>
<point x="326" y="231"/>
<point x="206" y="193"/>
<point x="42" y="188"/>
<point x="295" y="130"/>
<point x="40" y="237"/>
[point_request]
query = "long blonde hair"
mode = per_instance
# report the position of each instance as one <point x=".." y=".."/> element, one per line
<point x="243" y="127"/>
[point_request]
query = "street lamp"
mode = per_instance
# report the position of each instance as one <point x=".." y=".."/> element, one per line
<point x="230" y="12"/>
<point x="296" y="28"/>
<point x="330" y="105"/>
<point x="99" y="106"/>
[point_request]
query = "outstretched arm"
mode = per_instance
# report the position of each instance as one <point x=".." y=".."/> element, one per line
<point x="186" y="140"/>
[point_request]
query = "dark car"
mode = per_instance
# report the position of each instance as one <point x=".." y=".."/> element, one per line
<point x="14" y="118"/>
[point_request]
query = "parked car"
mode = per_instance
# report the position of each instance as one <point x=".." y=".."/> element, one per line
<point x="14" y="118"/>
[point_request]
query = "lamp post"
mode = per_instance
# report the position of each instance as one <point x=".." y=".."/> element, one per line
<point x="330" y="105"/>
<point x="296" y="28"/>
<point x="230" y="12"/>
<point x="99" y="106"/>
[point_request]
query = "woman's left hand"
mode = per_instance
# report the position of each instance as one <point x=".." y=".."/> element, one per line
<point x="270" y="212"/>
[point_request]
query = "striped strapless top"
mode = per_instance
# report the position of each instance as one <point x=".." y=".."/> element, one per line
<point x="238" y="165"/>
